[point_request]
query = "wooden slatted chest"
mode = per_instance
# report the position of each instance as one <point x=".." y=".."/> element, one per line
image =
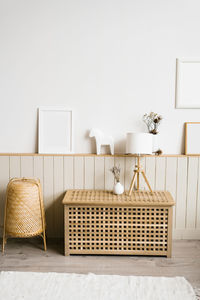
<point x="99" y="222"/>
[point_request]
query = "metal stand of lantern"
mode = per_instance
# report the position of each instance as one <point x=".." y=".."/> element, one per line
<point x="139" y="144"/>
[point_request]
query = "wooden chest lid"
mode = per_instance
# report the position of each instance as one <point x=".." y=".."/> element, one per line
<point x="103" y="198"/>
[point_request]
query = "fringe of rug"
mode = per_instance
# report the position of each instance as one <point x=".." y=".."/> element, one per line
<point x="197" y="293"/>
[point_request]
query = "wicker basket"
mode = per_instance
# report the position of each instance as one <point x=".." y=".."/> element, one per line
<point x="24" y="210"/>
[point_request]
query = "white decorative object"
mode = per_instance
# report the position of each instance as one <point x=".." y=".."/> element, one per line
<point x="102" y="140"/>
<point x="139" y="143"/>
<point x="187" y="83"/>
<point x="118" y="188"/>
<point x="192" y="134"/>
<point x="55" y="130"/>
<point x="62" y="286"/>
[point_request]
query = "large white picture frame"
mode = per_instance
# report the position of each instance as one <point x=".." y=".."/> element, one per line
<point x="188" y="83"/>
<point x="55" y="130"/>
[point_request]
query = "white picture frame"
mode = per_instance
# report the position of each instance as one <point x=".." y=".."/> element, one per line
<point x="192" y="134"/>
<point x="187" y="83"/>
<point x="55" y="130"/>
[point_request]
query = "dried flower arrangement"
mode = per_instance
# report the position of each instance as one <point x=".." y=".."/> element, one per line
<point x="152" y="121"/>
<point x="116" y="172"/>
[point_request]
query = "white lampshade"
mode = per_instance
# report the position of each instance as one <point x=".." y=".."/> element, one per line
<point x="139" y="143"/>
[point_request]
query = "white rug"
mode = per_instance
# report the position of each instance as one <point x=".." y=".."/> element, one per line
<point x="60" y="286"/>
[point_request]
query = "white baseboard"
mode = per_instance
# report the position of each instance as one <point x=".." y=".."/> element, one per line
<point x="186" y="234"/>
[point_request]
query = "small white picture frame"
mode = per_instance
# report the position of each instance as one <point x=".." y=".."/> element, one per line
<point x="192" y="134"/>
<point x="188" y="83"/>
<point x="55" y="130"/>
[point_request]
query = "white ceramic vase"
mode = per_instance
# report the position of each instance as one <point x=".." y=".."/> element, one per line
<point x="118" y="189"/>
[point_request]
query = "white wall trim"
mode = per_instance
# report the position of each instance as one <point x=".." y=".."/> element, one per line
<point x="186" y="234"/>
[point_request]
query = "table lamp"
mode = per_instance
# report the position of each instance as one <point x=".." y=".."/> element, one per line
<point x="139" y="144"/>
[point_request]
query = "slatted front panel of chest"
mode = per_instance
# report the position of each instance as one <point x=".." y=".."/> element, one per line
<point x="116" y="228"/>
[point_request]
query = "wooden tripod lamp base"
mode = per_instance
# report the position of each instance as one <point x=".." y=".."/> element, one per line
<point x="137" y="171"/>
<point x="138" y="143"/>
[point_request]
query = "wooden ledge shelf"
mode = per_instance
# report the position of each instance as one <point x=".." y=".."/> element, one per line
<point x="95" y="155"/>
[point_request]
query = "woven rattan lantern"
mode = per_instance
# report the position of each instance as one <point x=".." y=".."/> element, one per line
<point x="24" y="210"/>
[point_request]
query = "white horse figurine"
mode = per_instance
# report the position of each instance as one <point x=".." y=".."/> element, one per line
<point x="102" y="140"/>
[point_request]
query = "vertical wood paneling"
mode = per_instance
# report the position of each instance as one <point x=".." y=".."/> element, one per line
<point x="58" y="195"/>
<point x="191" y="192"/>
<point x="109" y="178"/>
<point x="150" y="171"/>
<point x="4" y="179"/>
<point x="99" y="173"/>
<point x="27" y="166"/>
<point x="171" y="174"/>
<point x="120" y="161"/>
<point x="89" y="172"/>
<point x="68" y="172"/>
<point x="78" y="172"/>
<point x="129" y="168"/>
<point x="160" y="173"/>
<point x="181" y="192"/>
<point x="38" y="168"/>
<point x="15" y="167"/>
<point x="198" y="198"/>
<point x="48" y="194"/>
<point x="179" y="175"/>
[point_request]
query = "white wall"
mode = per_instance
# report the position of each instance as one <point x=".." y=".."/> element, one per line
<point x="110" y="61"/>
